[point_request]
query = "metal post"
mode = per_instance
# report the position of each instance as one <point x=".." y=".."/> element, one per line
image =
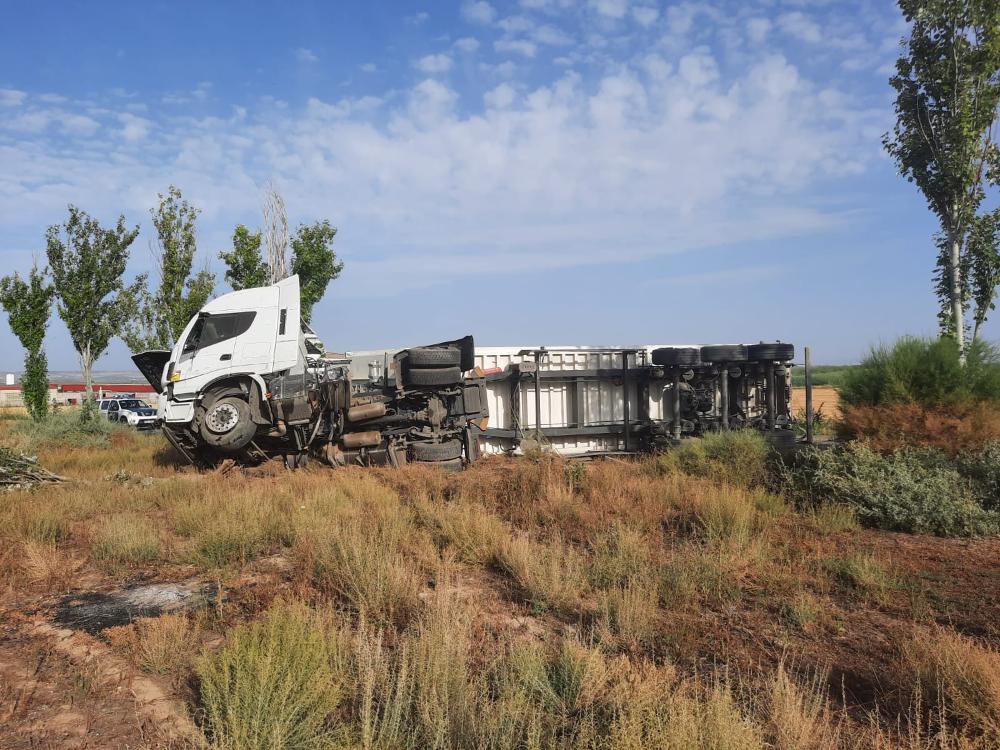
<point x="724" y="397"/>
<point x="538" y="396"/>
<point x="625" y="408"/>
<point x="809" y="397"/>
<point x="769" y="385"/>
<point x="677" y="403"/>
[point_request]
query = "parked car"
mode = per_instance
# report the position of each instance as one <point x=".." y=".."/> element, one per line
<point x="132" y="411"/>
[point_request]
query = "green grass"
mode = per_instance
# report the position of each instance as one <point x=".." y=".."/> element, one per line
<point x="826" y="375"/>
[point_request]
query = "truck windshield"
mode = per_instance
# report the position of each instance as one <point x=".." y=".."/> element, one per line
<point x="211" y="329"/>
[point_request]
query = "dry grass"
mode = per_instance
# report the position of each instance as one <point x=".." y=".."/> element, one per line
<point x="549" y="576"/>
<point x="125" y="540"/>
<point x="164" y="645"/>
<point x="959" y="675"/>
<point x="646" y="589"/>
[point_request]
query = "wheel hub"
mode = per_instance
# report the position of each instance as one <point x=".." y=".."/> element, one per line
<point x="222" y="418"/>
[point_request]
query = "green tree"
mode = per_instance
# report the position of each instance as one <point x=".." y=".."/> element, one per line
<point x="87" y="263"/>
<point x="947" y="89"/>
<point x="314" y="260"/>
<point x="155" y="320"/>
<point x="983" y="267"/>
<point x="28" y="305"/>
<point x="244" y="267"/>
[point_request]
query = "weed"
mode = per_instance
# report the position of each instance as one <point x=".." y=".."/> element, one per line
<point x="959" y="674"/>
<point x="739" y="457"/>
<point x="863" y="573"/>
<point x="160" y="645"/>
<point x="125" y="540"/>
<point x="799" y="717"/>
<point x="803" y="610"/>
<point x="271" y="685"/>
<point x="833" y="518"/>
<point x="550" y="576"/>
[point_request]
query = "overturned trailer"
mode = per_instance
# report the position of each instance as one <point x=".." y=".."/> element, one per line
<point x="248" y="380"/>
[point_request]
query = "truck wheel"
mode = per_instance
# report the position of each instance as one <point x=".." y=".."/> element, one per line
<point x="776" y="352"/>
<point x="676" y="355"/>
<point x="726" y="353"/>
<point x="227" y="425"/>
<point x="431" y="357"/>
<point x="436" y="376"/>
<point x="446" y="451"/>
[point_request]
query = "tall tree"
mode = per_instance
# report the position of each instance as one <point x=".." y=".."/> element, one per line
<point x="275" y="234"/>
<point x="156" y="319"/>
<point x="245" y="268"/>
<point x="983" y="252"/>
<point x="87" y="263"/>
<point x="315" y="261"/>
<point x="947" y="90"/>
<point x="28" y="305"/>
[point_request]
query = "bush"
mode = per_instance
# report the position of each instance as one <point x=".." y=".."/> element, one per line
<point x="952" y="428"/>
<point x="982" y="468"/>
<point x="739" y="457"/>
<point x="271" y="685"/>
<point x="923" y="371"/>
<point x="125" y="540"/>
<point x="912" y="489"/>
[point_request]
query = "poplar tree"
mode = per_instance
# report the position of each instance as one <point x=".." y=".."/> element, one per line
<point x="947" y="90"/>
<point x="87" y="264"/>
<point x="28" y="305"/>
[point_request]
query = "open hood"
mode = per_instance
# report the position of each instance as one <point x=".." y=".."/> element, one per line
<point x="151" y="365"/>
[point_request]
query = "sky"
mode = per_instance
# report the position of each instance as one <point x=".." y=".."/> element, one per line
<point x="534" y="172"/>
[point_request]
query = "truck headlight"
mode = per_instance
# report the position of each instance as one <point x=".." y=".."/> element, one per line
<point x="174" y="377"/>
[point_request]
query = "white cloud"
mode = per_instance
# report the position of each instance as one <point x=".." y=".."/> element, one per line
<point x="433" y="64"/>
<point x="480" y="12"/>
<point x="134" y="128"/>
<point x="757" y="29"/>
<point x="467" y="44"/>
<point x="645" y="15"/>
<point x="800" y="26"/>
<point x="368" y="67"/>
<point x="519" y="46"/>
<point x="501" y="97"/>
<point x="418" y="18"/>
<point x="610" y="8"/>
<point x="305" y="55"/>
<point x="665" y="152"/>
<point x="11" y="97"/>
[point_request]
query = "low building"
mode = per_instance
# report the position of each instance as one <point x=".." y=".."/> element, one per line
<point x="72" y="394"/>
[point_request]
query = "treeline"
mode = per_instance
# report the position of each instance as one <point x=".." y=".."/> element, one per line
<point x="84" y="275"/>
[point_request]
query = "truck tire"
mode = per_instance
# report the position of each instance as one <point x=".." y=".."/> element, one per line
<point x="227" y="425"/>
<point x="433" y="357"/>
<point x="449" y="450"/>
<point x="776" y="352"/>
<point x="724" y="353"/>
<point x="671" y="356"/>
<point x="432" y="376"/>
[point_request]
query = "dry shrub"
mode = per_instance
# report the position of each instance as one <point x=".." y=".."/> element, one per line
<point x="715" y="571"/>
<point x="46" y="565"/>
<point x="952" y="429"/>
<point x="159" y="645"/>
<point x="474" y="534"/>
<point x="618" y="555"/>
<point x="833" y="518"/>
<point x="550" y="576"/>
<point x="628" y="614"/>
<point x="418" y="693"/>
<point x="125" y="540"/>
<point x="799" y="715"/>
<point x="272" y="684"/>
<point x="863" y="573"/>
<point x="958" y="674"/>
<point x="804" y="610"/>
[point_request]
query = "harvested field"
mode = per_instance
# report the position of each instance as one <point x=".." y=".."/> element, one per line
<point x="825" y="398"/>
<point x="520" y="603"/>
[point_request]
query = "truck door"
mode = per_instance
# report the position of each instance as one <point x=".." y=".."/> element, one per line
<point x="286" y="343"/>
<point x="208" y="349"/>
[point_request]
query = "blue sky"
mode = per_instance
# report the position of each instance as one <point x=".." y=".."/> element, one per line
<point x="542" y="171"/>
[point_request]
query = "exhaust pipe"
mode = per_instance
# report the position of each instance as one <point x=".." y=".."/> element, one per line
<point x="362" y="439"/>
<point x="366" y="411"/>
